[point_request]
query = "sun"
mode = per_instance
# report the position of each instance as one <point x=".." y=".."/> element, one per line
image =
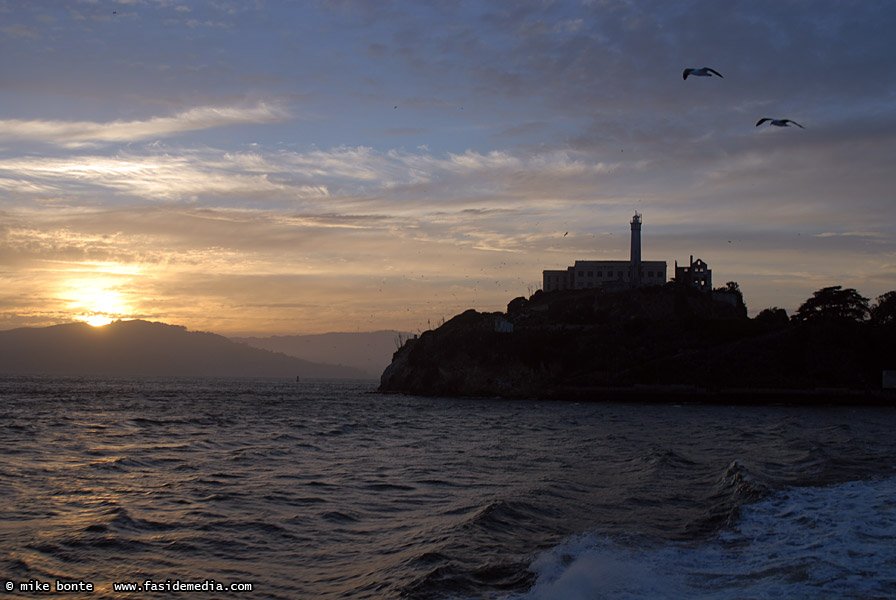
<point x="96" y="320"/>
<point x="97" y="305"/>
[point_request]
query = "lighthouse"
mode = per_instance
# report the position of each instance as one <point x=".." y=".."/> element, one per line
<point x="636" y="251"/>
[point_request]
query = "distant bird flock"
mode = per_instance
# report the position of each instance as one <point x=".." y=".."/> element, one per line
<point x="707" y="72"/>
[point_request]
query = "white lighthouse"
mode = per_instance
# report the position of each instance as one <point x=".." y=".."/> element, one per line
<point x="636" y="250"/>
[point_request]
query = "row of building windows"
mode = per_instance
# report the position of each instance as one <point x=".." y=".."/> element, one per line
<point x="558" y="280"/>
<point x="610" y="273"/>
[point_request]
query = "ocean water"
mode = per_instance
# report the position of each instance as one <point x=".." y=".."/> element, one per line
<point x="142" y="488"/>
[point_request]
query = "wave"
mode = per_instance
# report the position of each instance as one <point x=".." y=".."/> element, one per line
<point x="447" y="568"/>
<point x="737" y="486"/>
<point x="833" y="541"/>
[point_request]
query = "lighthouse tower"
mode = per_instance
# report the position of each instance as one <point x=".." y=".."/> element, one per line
<point x="636" y="250"/>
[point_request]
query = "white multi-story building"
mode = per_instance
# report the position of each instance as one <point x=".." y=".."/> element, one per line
<point x="609" y="273"/>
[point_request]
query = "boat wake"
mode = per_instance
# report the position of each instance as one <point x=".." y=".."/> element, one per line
<point x="836" y="540"/>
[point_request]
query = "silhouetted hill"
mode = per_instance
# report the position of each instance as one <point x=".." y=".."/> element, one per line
<point x="144" y="348"/>
<point x="644" y="343"/>
<point x="370" y="352"/>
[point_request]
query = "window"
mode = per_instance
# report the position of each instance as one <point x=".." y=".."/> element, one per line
<point x="600" y="273"/>
<point x="650" y="273"/>
<point x="590" y="273"/>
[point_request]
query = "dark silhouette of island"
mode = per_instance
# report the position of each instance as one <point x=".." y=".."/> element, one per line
<point x="371" y="352"/>
<point x="656" y="343"/>
<point x="144" y="348"/>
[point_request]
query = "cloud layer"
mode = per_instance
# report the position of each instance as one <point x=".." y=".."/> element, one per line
<point x="73" y="134"/>
<point x="282" y="169"/>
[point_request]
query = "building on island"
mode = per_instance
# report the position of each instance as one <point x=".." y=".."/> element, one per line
<point x="698" y="275"/>
<point x="609" y="273"/>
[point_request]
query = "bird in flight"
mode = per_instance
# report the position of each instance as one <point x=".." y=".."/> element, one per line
<point x="779" y="122"/>
<point x="704" y="72"/>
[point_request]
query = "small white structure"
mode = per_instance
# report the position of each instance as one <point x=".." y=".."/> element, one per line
<point x="888" y="380"/>
<point x="502" y="325"/>
<point x="586" y="274"/>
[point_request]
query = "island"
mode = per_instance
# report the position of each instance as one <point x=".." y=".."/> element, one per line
<point x="657" y="343"/>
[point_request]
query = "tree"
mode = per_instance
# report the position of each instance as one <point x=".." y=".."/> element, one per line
<point x="884" y="310"/>
<point x="773" y="316"/>
<point x="733" y="288"/>
<point x="833" y="304"/>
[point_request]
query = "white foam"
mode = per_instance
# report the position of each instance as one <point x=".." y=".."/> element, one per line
<point x="837" y="541"/>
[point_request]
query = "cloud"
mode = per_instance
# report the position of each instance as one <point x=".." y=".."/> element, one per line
<point x="864" y="234"/>
<point x="19" y="31"/>
<point x="521" y="121"/>
<point x="190" y="175"/>
<point x="351" y="178"/>
<point x="73" y="134"/>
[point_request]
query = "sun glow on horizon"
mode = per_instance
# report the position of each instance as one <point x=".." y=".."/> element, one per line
<point x="96" y="320"/>
<point x="97" y="305"/>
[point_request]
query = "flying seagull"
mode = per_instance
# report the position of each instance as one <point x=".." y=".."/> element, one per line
<point x="704" y="72"/>
<point x="779" y="122"/>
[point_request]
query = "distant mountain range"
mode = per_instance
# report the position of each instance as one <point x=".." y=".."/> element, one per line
<point x="370" y="352"/>
<point x="145" y="348"/>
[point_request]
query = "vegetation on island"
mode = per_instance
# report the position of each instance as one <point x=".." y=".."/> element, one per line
<point x="587" y="344"/>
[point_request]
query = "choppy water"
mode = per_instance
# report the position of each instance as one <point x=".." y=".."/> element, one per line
<point x="324" y="490"/>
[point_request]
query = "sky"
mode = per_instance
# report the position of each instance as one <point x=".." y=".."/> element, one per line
<point x="273" y="167"/>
